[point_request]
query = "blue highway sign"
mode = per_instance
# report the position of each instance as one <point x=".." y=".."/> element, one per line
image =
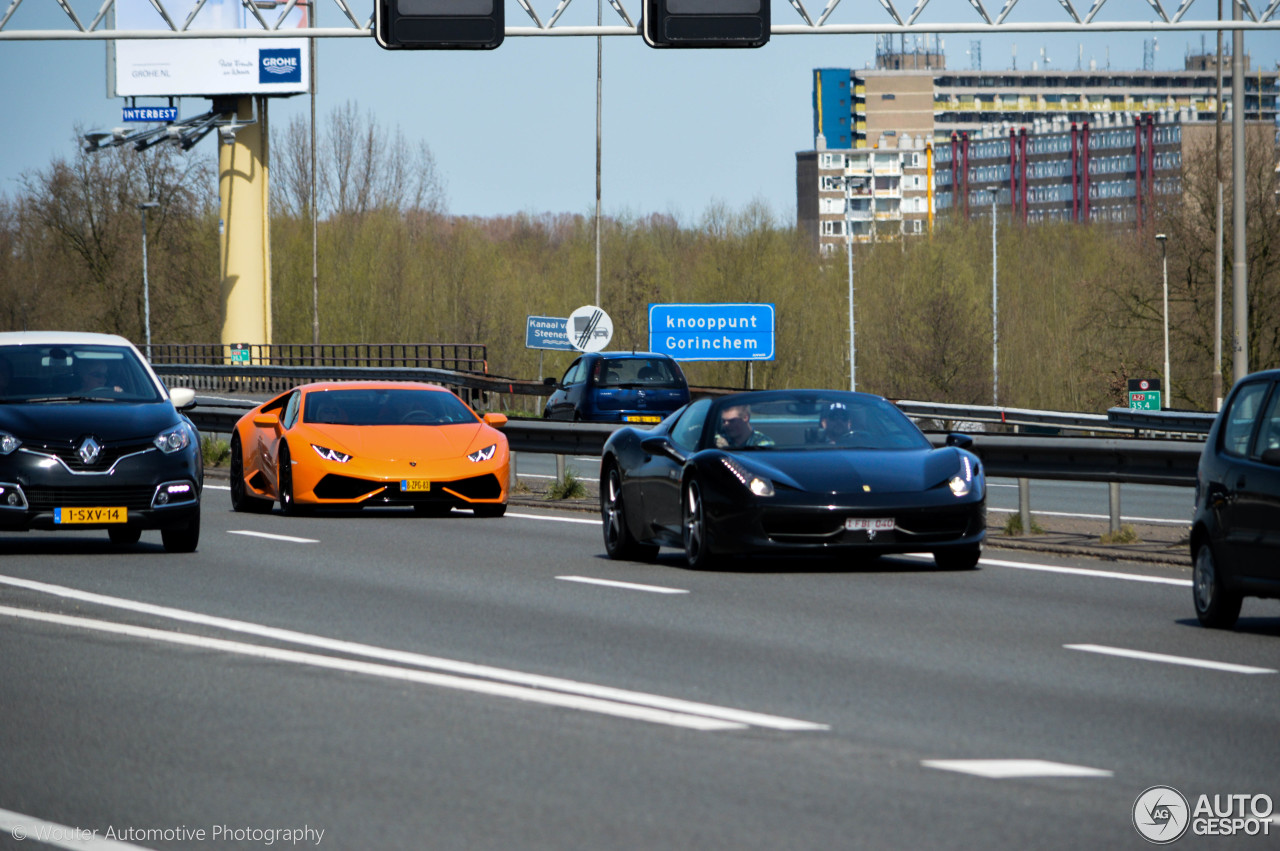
<point x="547" y="332"/>
<point x="712" y="331"/>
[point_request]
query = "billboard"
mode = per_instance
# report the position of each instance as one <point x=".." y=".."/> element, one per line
<point x="158" y="67"/>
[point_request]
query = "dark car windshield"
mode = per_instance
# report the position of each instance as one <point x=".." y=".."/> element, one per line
<point x="62" y="373"/>
<point x="811" y="421"/>
<point x="380" y="407"/>
<point x="638" y="371"/>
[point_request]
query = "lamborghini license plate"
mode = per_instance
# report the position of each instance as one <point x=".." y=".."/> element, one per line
<point x="91" y="515"/>
<point x="412" y="485"/>
<point x="869" y="524"/>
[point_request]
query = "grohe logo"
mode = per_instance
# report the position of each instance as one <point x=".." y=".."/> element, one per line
<point x="280" y="66"/>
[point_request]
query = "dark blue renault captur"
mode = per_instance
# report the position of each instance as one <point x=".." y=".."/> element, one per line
<point x="618" y="387"/>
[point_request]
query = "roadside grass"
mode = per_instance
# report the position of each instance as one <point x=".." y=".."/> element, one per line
<point x="570" y="487"/>
<point x="216" y="451"/>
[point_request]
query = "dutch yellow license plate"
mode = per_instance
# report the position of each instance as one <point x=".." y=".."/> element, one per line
<point x="412" y="485"/>
<point x="643" y="419"/>
<point x="91" y="515"/>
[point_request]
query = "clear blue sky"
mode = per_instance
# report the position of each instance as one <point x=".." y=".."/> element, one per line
<point x="513" y="130"/>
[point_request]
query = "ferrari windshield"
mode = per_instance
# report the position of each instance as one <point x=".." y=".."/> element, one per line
<point x="74" y="373"/>
<point x="790" y="420"/>
<point x="380" y="407"/>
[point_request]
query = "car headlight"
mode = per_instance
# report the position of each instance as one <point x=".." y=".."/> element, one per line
<point x="758" y="485"/>
<point x="173" y="440"/>
<point x="331" y="454"/>
<point x="8" y="443"/>
<point x="962" y="482"/>
<point x="483" y="454"/>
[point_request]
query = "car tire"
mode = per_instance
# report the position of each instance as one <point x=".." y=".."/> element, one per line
<point x="182" y="540"/>
<point x="619" y="543"/>
<point x="288" y="503"/>
<point x="697" y="550"/>
<point x="124" y="536"/>
<point x="961" y="559"/>
<point x="1217" y="606"/>
<point x="240" y="499"/>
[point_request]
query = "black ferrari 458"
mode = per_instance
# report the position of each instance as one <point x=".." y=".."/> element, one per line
<point x="817" y="471"/>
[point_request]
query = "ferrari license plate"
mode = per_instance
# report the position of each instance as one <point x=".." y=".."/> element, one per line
<point x="415" y="485"/>
<point x="636" y="418"/>
<point x="91" y="515"/>
<point x="869" y="524"/>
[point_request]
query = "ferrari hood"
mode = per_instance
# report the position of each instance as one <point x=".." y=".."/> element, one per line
<point x="405" y="442"/>
<point x="880" y="471"/>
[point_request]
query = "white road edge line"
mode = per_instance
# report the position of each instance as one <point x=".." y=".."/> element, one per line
<point x="630" y="586"/>
<point x="593" y="522"/>
<point x="1170" y="660"/>
<point x="402" y="657"/>
<point x="1003" y="769"/>
<point x="1095" y="574"/>
<point x="272" y="537"/>
<point x="23" y="827"/>
<point x="389" y="672"/>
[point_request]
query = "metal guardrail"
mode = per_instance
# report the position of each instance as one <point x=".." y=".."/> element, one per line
<point x="467" y="357"/>
<point x="258" y="379"/>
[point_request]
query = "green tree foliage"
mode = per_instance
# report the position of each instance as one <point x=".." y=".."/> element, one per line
<point x="1080" y="307"/>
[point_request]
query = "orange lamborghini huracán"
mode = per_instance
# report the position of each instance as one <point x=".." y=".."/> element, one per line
<point x="369" y="443"/>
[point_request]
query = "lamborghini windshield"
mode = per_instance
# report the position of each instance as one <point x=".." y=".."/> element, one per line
<point x="381" y="407"/>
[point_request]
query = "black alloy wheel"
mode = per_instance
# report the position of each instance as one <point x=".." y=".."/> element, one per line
<point x="183" y="540"/>
<point x="240" y="499"/>
<point x="288" y="505"/>
<point x="619" y="543"/>
<point x="697" y="551"/>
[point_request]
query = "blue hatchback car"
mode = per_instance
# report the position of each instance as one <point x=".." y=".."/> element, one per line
<point x="618" y="387"/>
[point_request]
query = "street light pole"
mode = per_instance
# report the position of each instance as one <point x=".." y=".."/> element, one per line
<point x="995" y="306"/>
<point x="848" y="247"/>
<point x="146" y="286"/>
<point x="1164" y="262"/>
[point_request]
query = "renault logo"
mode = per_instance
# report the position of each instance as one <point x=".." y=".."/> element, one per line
<point x="89" y="450"/>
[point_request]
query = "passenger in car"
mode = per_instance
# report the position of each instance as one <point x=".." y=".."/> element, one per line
<point x="734" y="430"/>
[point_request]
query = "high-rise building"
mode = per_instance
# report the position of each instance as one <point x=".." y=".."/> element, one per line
<point x="1062" y="145"/>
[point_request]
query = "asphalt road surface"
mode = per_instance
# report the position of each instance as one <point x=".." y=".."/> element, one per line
<point x="379" y="680"/>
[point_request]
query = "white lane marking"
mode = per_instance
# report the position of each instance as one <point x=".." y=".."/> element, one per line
<point x="593" y="522"/>
<point x="1170" y="660"/>
<point x="1002" y="769"/>
<point x="1073" y="571"/>
<point x="402" y="657"/>
<point x="271" y="537"/>
<point x="23" y="828"/>
<point x="631" y="586"/>
<point x="390" y="672"/>
<point x="217" y="487"/>
<point x="1151" y="520"/>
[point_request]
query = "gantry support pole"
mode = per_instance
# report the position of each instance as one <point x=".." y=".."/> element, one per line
<point x="243" y="232"/>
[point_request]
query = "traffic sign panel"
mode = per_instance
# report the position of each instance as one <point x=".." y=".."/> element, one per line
<point x="712" y="331"/>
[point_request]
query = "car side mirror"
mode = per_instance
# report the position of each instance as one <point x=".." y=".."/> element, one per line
<point x="183" y="398"/>
<point x="550" y="382"/>
<point x="267" y="420"/>
<point x="661" y="445"/>
<point x="1271" y="457"/>
<point x="495" y="419"/>
<point x="960" y="441"/>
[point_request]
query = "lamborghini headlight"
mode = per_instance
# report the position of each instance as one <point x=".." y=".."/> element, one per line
<point x="174" y="439"/>
<point x="758" y="485"/>
<point x="483" y="454"/>
<point x="8" y="443"/>
<point x="331" y="454"/>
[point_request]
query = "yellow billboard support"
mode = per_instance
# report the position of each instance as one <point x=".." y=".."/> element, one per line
<point x="243" y="231"/>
